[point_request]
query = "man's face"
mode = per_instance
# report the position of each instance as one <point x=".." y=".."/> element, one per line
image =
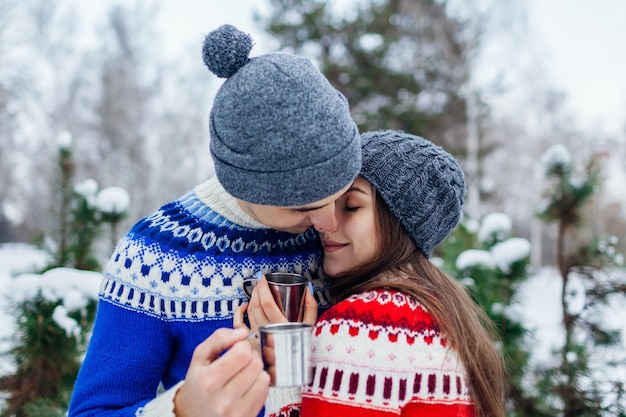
<point x="297" y="219"/>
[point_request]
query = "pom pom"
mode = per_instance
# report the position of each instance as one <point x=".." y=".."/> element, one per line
<point x="225" y="50"/>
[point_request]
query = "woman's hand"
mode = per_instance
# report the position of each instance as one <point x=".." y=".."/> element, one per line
<point x="310" y="307"/>
<point x="262" y="308"/>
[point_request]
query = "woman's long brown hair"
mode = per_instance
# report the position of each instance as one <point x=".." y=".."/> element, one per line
<point x="464" y="323"/>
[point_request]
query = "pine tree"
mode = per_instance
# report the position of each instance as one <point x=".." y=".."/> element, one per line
<point x="47" y="356"/>
<point x="492" y="264"/>
<point x="400" y="63"/>
<point x="587" y="265"/>
<point x="79" y="221"/>
<point x="66" y="171"/>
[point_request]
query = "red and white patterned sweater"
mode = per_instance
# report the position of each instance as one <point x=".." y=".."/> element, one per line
<point x="379" y="354"/>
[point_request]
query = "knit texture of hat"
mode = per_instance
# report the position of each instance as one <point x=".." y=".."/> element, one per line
<point x="281" y="135"/>
<point x="422" y="184"/>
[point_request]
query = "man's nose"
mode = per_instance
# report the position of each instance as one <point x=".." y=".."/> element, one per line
<point x="324" y="219"/>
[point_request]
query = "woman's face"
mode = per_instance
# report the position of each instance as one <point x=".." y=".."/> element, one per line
<point x="353" y="242"/>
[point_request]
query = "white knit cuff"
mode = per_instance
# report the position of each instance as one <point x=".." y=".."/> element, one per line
<point x="162" y="405"/>
<point x="282" y="399"/>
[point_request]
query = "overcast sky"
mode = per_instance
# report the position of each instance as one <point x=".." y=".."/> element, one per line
<point x="584" y="45"/>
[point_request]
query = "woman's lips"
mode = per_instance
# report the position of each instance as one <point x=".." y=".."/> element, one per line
<point x="331" y="246"/>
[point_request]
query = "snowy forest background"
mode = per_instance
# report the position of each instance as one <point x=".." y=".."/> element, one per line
<point x="95" y="135"/>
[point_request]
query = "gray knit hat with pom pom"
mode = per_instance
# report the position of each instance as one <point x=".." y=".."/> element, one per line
<point x="281" y="135"/>
<point x="422" y="184"/>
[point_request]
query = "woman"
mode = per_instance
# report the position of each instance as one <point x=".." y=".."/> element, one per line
<point x="403" y="337"/>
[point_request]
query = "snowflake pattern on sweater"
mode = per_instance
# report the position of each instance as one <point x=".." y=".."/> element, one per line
<point x="381" y="353"/>
<point x="186" y="262"/>
<point x="174" y="279"/>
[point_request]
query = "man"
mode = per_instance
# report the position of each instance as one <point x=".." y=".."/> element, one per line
<point x="285" y="148"/>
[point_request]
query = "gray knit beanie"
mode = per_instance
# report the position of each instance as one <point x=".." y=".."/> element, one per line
<point x="422" y="184"/>
<point x="281" y="135"/>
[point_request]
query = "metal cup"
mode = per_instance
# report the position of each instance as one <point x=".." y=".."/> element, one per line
<point x="288" y="290"/>
<point x="286" y="350"/>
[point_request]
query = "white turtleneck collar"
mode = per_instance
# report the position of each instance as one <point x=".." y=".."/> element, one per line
<point x="217" y="198"/>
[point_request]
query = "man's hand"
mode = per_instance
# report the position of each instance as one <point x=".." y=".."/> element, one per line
<point x="231" y="385"/>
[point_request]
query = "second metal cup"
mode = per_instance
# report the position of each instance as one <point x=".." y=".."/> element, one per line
<point x="286" y="350"/>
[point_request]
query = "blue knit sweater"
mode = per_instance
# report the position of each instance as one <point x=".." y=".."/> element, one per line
<point x="173" y="280"/>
